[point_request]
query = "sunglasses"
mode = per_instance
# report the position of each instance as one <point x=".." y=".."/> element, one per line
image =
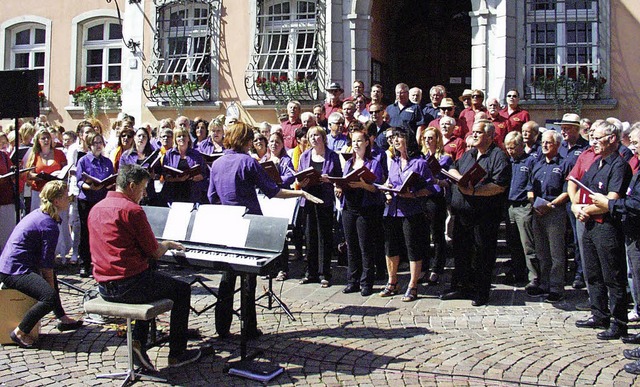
<point x="512" y="96"/>
<point x="126" y="136"/>
<point x="375" y="111"/>
<point x="446" y="109"/>
<point x="476" y="96"/>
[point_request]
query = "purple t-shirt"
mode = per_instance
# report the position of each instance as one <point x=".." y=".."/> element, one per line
<point x="31" y="246"/>
<point x="405" y="207"/>
<point x="234" y="179"/>
<point x="98" y="167"/>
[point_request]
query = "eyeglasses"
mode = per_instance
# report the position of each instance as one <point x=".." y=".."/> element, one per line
<point x="98" y="143"/>
<point x="477" y="96"/>
<point x="512" y="96"/>
<point x="600" y="138"/>
<point x="493" y="104"/>
<point x="466" y="98"/>
<point x="446" y="109"/>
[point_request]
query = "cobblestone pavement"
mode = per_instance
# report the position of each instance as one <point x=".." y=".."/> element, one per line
<point x="346" y="339"/>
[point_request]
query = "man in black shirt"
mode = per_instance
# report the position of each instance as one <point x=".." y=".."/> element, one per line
<point x="477" y="212"/>
<point x="603" y="239"/>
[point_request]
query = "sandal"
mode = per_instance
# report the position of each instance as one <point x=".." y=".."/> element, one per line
<point x="389" y="290"/>
<point x="410" y="295"/>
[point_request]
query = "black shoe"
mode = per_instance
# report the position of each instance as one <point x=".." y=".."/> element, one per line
<point x="578" y="283"/>
<point x="633" y="368"/>
<point x="253" y="334"/>
<point x="141" y="359"/>
<point x="480" y="301"/>
<point x="631" y="339"/>
<point x="455" y="295"/>
<point x="366" y="291"/>
<point x="19" y="342"/>
<point x="351" y="289"/>
<point x="534" y="291"/>
<point x="186" y="357"/>
<point x="593" y="323"/>
<point x="62" y="327"/>
<point x="309" y="280"/>
<point x="554" y="297"/>
<point x="614" y="332"/>
<point x="632" y="354"/>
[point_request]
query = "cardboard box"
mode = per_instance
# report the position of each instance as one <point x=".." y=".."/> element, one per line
<point x="13" y="306"/>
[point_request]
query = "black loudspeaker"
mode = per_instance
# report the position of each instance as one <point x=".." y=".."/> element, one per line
<point x="19" y="94"/>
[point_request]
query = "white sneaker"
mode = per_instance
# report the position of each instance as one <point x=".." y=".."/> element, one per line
<point x="633" y="316"/>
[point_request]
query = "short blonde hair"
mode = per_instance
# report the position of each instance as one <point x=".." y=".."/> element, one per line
<point x="50" y="192"/>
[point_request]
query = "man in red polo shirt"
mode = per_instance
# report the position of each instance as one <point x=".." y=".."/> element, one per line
<point x="499" y="122"/>
<point x="513" y="112"/>
<point x="290" y="125"/>
<point x="334" y="103"/>
<point x="468" y="116"/>
<point x="122" y="242"/>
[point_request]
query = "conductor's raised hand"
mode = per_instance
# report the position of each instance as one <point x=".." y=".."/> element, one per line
<point x="312" y="198"/>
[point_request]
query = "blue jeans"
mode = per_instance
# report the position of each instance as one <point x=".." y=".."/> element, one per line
<point x="151" y="285"/>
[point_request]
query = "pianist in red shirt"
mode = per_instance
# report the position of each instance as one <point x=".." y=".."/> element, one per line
<point x="122" y="242"/>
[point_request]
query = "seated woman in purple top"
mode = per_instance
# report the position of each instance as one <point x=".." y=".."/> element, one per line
<point x="405" y="222"/>
<point x="436" y="205"/>
<point x="233" y="181"/>
<point x="319" y="218"/>
<point x="182" y="156"/>
<point x="136" y="155"/>
<point x="279" y="156"/>
<point x="95" y="165"/>
<point x="360" y="216"/>
<point x="27" y="262"/>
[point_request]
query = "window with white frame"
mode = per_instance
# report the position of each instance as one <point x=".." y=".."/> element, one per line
<point x="563" y="53"/>
<point x="28" y="47"/>
<point x="285" y="60"/>
<point x="102" y="52"/>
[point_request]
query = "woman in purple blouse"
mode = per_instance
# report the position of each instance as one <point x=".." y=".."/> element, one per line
<point x="360" y="217"/>
<point x="436" y="205"/>
<point x="27" y="262"/>
<point x="182" y="156"/>
<point x="140" y="151"/>
<point x="319" y="217"/>
<point x="95" y="165"/>
<point x="405" y="224"/>
<point x="233" y="181"/>
<point x="279" y="156"/>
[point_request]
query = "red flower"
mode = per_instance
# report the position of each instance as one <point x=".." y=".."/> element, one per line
<point x="283" y="78"/>
<point x="274" y="79"/>
<point x="72" y="92"/>
<point x="259" y="80"/>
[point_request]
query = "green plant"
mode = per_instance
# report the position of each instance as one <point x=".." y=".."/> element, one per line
<point x="570" y="88"/>
<point x="282" y="90"/>
<point x="179" y="91"/>
<point x="96" y="97"/>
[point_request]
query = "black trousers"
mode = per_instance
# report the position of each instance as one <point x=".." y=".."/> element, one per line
<point x="34" y="286"/>
<point x="318" y="225"/>
<point x="606" y="267"/>
<point x="359" y="230"/>
<point x="475" y="239"/>
<point x="436" y="210"/>
<point x="148" y="286"/>
<point x="224" y="307"/>
<point x="84" y="249"/>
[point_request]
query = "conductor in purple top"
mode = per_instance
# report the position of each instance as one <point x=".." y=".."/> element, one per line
<point x="233" y="181"/>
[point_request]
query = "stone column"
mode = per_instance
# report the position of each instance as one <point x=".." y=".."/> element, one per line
<point x="133" y="25"/>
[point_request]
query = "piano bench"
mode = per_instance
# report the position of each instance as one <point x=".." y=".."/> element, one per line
<point x="146" y="311"/>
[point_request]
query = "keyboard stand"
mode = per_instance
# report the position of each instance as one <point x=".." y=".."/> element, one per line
<point x="271" y="297"/>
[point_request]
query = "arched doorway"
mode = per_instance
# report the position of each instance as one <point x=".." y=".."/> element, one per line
<point x="421" y="43"/>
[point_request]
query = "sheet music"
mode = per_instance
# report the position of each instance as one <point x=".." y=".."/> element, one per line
<point x="278" y="208"/>
<point x="177" y="221"/>
<point x="220" y="225"/>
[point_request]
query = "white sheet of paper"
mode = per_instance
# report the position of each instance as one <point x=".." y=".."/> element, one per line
<point x="278" y="208"/>
<point x="220" y="225"/>
<point x="177" y="221"/>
